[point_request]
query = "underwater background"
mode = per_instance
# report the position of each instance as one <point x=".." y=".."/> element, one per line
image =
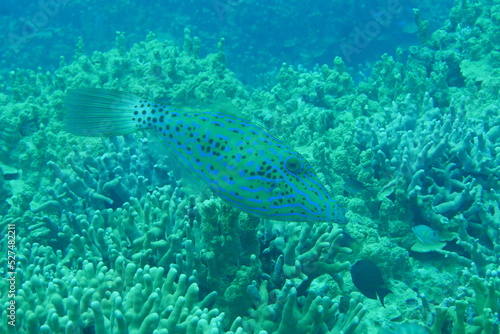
<point x="394" y="103"/>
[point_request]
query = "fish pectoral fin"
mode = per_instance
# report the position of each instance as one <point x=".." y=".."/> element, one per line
<point x="169" y="158"/>
<point x="163" y="155"/>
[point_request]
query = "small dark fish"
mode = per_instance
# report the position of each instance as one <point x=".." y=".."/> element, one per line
<point x="344" y="304"/>
<point x="9" y="173"/>
<point x="347" y="240"/>
<point x="89" y="329"/>
<point x="354" y="186"/>
<point x="10" y="176"/>
<point x="367" y="278"/>
<point x="253" y="292"/>
<point x="304" y="287"/>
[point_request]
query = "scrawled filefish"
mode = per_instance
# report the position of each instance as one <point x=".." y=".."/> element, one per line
<point x="243" y="164"/>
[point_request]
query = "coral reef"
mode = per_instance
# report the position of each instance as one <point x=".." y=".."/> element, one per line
<point x="110" y="238"/>
<point x="449" y="165"/>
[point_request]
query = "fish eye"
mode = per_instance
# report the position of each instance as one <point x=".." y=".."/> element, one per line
<point x="292" y="164"/>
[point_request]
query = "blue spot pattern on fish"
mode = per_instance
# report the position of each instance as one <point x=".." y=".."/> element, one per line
<point x="243" y="164"/>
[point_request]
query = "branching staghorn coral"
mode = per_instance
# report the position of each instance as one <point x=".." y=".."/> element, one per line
<point x="311" y="251"/>
<point x="106" y="181"/>
<point x="473" y="309"/>
<point x="125" y="298"/>
<point x="116" y="276"/>
<point x="300" y="314"/>
<point x="449" y="165"/>
<point x="158" y="230"/>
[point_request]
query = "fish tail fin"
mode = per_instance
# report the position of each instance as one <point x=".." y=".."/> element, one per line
<point x="382" y="292"/>
<point x="339" y="214"/>
<point x="95" y="112"/>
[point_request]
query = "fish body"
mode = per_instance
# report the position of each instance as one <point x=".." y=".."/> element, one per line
<point x="367" y="277"/>
<point x="247" y="167"/>
<point x="426" y="235"/>
<point x="353" y="186"/>
<point x="428" y="239"/>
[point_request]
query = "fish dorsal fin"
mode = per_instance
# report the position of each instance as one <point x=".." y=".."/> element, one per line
<point x="168" y="161"/>
<point x="222" y="104"/>
<point x="225" y="106"/>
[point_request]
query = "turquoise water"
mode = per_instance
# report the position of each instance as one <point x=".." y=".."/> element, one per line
<point x="387" y="110"/>
<point x="260" y="36"/>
